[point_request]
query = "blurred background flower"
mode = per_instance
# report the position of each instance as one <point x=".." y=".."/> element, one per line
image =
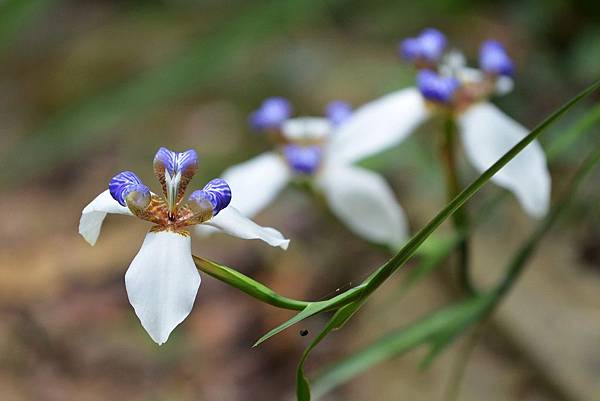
<point x="89" y="88"/>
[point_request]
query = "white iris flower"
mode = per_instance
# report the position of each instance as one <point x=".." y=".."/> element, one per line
<point x="307" y="150"/>
<point x="162" y="280"/>
<point x="446" y="87"/>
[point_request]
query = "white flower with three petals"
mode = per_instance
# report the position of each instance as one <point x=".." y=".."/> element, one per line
<point x="162" y="280"/>
<point x="307" y="150"/>
<point x="448" y="87"/>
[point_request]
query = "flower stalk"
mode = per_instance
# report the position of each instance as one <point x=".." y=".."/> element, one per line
<point x="460" y="219"/>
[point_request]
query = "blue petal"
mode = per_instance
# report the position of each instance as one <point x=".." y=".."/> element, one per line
<point x="272" y="112"/>
<point x="338" y="111"/>
<point x="303" y="159"/>
<point x="174" y="162"/>
<point x="435" y="87"/>
<point x="429" y="45"/>
<point x="433" y="43"/>
<point x="410" y="48"/>
<point x="493" y="59"/>
<point x="174" y="171"/>
<point x="217" y="192"/>
<point x="123" y="184"/>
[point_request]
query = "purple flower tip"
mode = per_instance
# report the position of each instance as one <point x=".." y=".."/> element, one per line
<point x="174" y="162"/>
<point x="429" y="45"/>
<point x="303" y="159"/>
<point x="435" y="87"/>
<point x="338" y="111"/>
<point x="493" y="59"/>
<point x="125" y="183"/>
<point x="217" y="192"/>
<point x="272" y="112"/>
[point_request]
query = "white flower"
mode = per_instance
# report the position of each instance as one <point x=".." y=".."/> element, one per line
<point x="358" y="197"/>
<point x="162" y="280"/>
<point x="486" y="133"/>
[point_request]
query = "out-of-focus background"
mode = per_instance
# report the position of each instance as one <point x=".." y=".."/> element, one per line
<point x="89" y="88"/>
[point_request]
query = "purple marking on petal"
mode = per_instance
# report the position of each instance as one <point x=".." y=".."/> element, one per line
<point x="493" y="59"/>
<point x="174" y="162"/>
<point x="217" y="192"/>
<point x="303" y="159"/>
<point x="272" y="112"/>
<point x="435" y="87"/>
<point x="174" y="171"/>
<point x="410" y="48"/>
<point x="433" y="43"/>
<point x="124" y="183"/>
<point x="338" y="111"/>
<point x="429" y="45"/>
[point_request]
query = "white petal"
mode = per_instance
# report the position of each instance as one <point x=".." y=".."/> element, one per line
<point x="162" y="282"/>
<point x="487" y="135"/>
<point x="306" y="128"/>
<point x="453" y="61"/>
<point x="231" y="221"/>
<point x="255" y="183"/>
<point x="468" y="75"/>
<point x="504" y="85"/>
<point x="377" y="125"/>
<point x="365" y="203"/>
<point x="94" y="213"/>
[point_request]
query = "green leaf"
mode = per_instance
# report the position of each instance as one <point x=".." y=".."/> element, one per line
<point x="440" y="328"/>
<point x="336" y="322"/>
<point x="386" y="270"/>
<point x="248" y="285"/>
<point x="568" y="138"/>
<point x="315" y="308"/>
<point x="409" y="249"/>
<point x="436" y="249"/>
<point x="397" y="343"/>
<point x="521" y="257"/>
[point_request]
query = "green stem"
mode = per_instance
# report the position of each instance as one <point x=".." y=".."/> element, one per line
<point x="246" y="284"/>
<point x="379" y="276"/>
<point x="460" y="218"/>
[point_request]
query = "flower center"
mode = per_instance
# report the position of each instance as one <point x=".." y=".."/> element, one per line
<point x="171" y="213"/>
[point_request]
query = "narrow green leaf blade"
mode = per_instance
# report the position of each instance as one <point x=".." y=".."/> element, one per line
<point x="337" y="321"/>
<point x="442" y="327"/>
<point x="248" y="285"/>
<point x="396" y="343"/>
<point x="386" y="270"/>
<point x="313" y="309"/>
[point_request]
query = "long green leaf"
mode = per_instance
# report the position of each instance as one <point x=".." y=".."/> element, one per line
<point x="435" y="250"/>
<point x="248" y="285"/>
<point x="570" y="136"/>
<point x="401" y="341"/>
<point x="336" y="322"/>
<point x="314" y="308"/>
<point x="440" y="332"/>
<point x="385" y="271"/>
<point x="407" y="251"/>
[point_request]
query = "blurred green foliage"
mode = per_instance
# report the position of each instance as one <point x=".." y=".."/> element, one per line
<point x="246" y="50"/>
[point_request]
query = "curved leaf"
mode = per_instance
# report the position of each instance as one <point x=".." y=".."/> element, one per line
<point x="248" y="285"/>
<point x="440" y="328"/>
